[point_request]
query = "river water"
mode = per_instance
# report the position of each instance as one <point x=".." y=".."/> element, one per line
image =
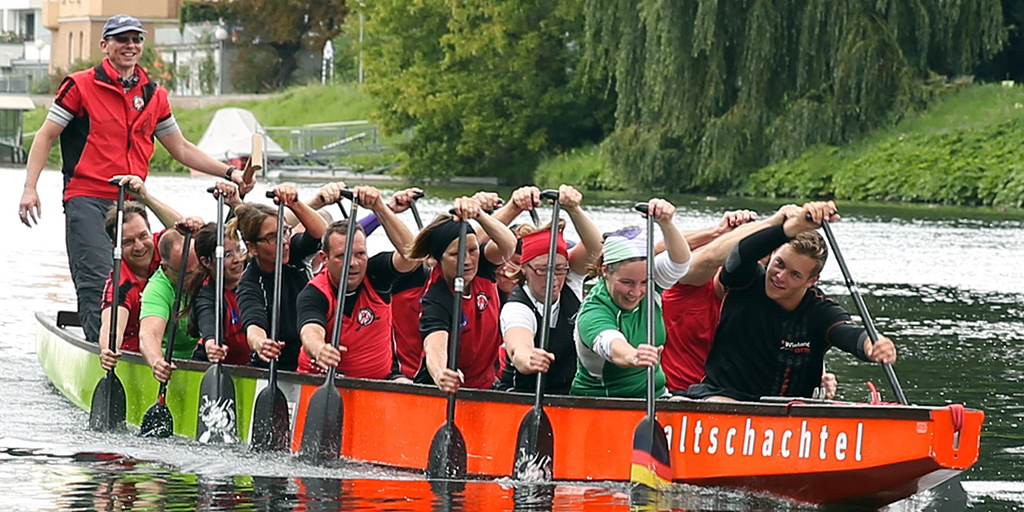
<point x="946" y="284"/>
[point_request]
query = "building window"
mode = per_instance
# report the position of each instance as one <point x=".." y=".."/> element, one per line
<point x="71" y="49"/>
<point x="81" y="45"/>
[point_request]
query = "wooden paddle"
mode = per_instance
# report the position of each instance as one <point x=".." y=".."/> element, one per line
<point x="321" y="435"/>
<point x="535" y="443"/>
<point x="416" y="211"/>
<point x="651" y="465"/>
<point x="447" y="459"/>
<point x="862" y="309"/>
<point x="216" y="419"/>
<point x="107" y="411"/>
<point x="270" y="412"/>
<point x="255" y="162"/>
<point x="158" y="421"/>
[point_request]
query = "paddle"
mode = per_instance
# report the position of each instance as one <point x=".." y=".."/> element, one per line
<point x="270" y="412"/>
<point x="534" y="217"/>
<point x="416" y="211"/>
<point x="535" y="443"/>
<point x="651" y="465"/>
<point x="216" y="419"/>
<point x="344" y="214"/>
<point x="447" y="457"/>
<point x="108" y="402"/>
<point x="321" y="435"/>
<point x="862" y="309"/>
<point x="158" y="421"/>
<point x="255" y="162"/>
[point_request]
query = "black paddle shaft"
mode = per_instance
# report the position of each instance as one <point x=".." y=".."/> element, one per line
<point x="416" y="211"/>
<point x="549" y="285"/>
<point x="649" y="310"/>
<point x="459" y="287"/>
<point x="172" y="329"/>
<point x="339" y="310"/>
<point x="116" y="276"/>
<point x="275" y="307"/>
<point x="862" y="309"/>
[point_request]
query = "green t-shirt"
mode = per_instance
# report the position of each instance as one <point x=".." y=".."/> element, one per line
<point x="596" y="376"/>
<point x="157" y="299"/>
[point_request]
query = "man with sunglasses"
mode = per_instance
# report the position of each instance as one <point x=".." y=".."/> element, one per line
<point x="107" y="119"/>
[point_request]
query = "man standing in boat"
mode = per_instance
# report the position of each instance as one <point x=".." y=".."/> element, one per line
<point x="772" y="337"/>
<point x="106" y="118"/>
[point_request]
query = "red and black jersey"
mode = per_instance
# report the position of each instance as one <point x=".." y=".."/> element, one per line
<point x="365" y="332"/>
<point x="480" y="336"/>
<point x="112" y="132"/>
<point x="691" y="317"/>
<point x="129" y="295"/>
<point x="405" y="299"/>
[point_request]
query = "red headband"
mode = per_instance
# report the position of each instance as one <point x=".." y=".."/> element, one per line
<point x="536" y="244"/>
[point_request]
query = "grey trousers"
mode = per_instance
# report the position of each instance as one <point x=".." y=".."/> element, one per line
<point x="90" y="256"/>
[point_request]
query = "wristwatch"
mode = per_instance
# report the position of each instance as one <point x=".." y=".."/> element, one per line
<point x="231" y="169"/>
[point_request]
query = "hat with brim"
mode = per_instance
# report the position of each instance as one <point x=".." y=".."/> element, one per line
<point x="121" y="23"/>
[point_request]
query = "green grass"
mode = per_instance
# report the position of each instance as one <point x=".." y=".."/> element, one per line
<point x="293" y="107"/>
<point x="583" y="168"/>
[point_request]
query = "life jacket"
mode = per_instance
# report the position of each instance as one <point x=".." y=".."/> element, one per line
<point x="366" y="334"/>
<point x="406" y="326"/>
<point x="559" y="377"/>
<point x="112" y="132"/>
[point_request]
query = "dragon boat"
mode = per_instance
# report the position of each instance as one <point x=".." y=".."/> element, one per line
<point x="814" y="451"/>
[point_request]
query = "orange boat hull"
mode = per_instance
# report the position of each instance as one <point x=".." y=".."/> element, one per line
<point x="817" y="453"/>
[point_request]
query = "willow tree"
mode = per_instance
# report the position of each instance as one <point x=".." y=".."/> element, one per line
<point x="708" y="90"/>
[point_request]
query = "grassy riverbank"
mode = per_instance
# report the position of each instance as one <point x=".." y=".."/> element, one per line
<point x="293" y="107"/>
<point x="964" y="151"/>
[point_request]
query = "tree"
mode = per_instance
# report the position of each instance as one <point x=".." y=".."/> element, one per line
<point x="708" y="90"/>
<point x="484" y="87"/>
<point x="288" y="26"/>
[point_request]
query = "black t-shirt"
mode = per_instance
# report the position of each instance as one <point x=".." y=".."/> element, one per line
<point x="760" y="349"/>
<point x="256" y="295"/>
<point x="380" y="273"/>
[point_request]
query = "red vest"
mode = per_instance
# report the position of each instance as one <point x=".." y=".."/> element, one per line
<point x="408" y="341"/>
<point x="366" y="334"/>
<point x="234" y="337"/>
<point x="480" y="337"/>
<point x="131" y="291"/>
<point x="112" y="132"/>
<point x="691" y="316"/>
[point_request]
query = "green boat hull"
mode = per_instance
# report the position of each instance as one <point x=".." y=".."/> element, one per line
<point x="73" y="366"/>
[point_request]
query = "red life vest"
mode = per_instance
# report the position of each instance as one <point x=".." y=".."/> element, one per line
<point x="234" y="337"/>
<point x="130" y="292"/>
<point x="408" y="341"/>
<point x="366" y="334"/>
<point x="112" y="131"/>
<point x="480" y="337"/>
<point x="691" y="315"/>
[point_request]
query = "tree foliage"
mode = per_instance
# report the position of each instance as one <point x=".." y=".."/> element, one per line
<point x="708" y="90"/>
<point x="485" y="87"/>
<point x="288" y="26"/>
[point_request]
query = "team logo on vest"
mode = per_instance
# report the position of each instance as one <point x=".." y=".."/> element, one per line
<point x="138" y="102"/>
<point x="365" y="316"/>
<point x="482" y="301"/>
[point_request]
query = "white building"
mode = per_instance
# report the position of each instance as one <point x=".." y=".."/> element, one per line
<point x="24" y="44"/>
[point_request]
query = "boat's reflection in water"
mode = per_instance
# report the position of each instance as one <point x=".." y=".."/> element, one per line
<point x="97" y="481"/>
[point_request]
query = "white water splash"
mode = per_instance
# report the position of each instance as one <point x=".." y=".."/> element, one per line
<point x="537" y="468"/>
<point x="218" y="416"/>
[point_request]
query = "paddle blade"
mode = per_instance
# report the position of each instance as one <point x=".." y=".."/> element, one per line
<point x="108" y="404"/>
<point x="650" y="463"/>
<point x="216" y="420"/>
<point x="321" y="435"/>
<point x="535" y="448"/>
<point x="157" y="422"/>
<point x="447" y="454"/>
<point x="270" y="421"/>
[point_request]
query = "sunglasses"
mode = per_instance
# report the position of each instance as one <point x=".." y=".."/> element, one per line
<point x="125" y="39"/>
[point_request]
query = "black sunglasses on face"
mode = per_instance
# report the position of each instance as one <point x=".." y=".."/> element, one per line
<point x="124" y="39"/>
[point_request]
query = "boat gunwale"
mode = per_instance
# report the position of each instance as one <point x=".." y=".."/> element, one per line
<point x="780" y="408"/>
